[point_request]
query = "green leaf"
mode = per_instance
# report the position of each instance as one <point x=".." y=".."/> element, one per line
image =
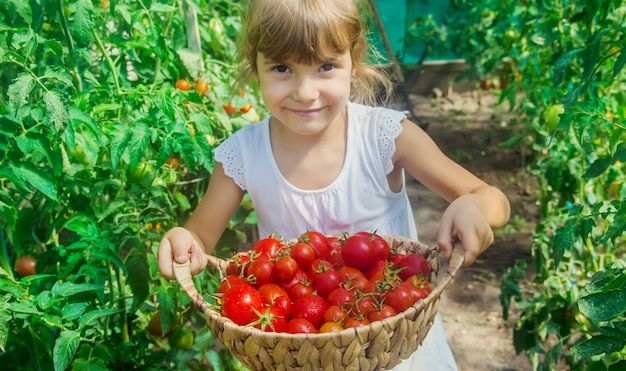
<point x="56" y="112"/>
<point x="598" y="167"/>
<point x="29" y="145"/>
<point x="60" y="74"/>
<point x="35" y="176"/>
<point x="162" y="8"/>
<point x="138" y="276"/>
<point x="138" y="143"/>
<point x="119" y="141"/>
<point x="603" y="306"/>
<point x="69" y="288"/>
<point x="599" y="344"/>
<point x="64" y="349"/>
<point x="23" y="9"/>
<point x="620" y="62"/>
<point x="19" y="91"/>
<point x="562" y="63"/>
<point x="81" y="23"/>
<point x="5" y="317"/>
<point x="91" y="364"/>
<point x="563" y="240"/>
<point x="73" y="310"/>
<point x="90" y="318"/>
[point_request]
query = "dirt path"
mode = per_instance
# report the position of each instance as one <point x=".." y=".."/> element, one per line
<point x="469" y="133"/>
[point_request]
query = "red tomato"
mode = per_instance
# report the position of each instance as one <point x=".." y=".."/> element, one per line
<point x="304" y="254"/>
<point x="349" y="272"/>
<point x="334" y="313"/>
<point x="311" y="307"/>
<point x="318" y="241"/>
<point x="334" y="257"/>
<point x="358" y="252"/>
<point x="261" y="271"/>
<point x="271" y="291"/>
<point x="286" y="268"/>
<point x="299" y="277"/>
<point x="319" y="266"/>
<point x="365" y="305"/>
<point x="229" y="108"/>
<point x="378" y="266"/>
<point x="271" y="320"/>
<point x="299" y="290"/>
<point x="418" y="287"/>
<point x="359" y="283"/>
<point x="268" y="247"/>
<point x="413" y="264"/>
<point x="239" y="304"/>
<point x="237" y="264"/>
<point x="283" y="303"/>
<point x="351" y="322"/>
<point x="230" y="281"/>
<point x="380" y="244"/>
<point x="326" y="281"/>
<point x="340" y="297"/>
<point x="300" y="326"/>
<point x="385" y="311"/>
<point x="400" y="298"/>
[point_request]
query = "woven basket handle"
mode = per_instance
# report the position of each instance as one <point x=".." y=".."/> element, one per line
<point x="182" y="272"/>
<point x="456" y="261"/>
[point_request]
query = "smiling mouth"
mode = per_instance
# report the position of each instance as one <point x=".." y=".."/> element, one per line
<point x="306" y="113"/>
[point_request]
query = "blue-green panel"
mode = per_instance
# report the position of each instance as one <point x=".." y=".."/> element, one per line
<point x="397" y="15"/>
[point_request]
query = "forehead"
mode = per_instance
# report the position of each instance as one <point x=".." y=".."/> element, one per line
<point x="264" y="59"/>
<point x="312" y="33"/>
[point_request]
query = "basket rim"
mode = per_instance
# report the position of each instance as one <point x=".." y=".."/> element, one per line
<point x="183" y="276"/>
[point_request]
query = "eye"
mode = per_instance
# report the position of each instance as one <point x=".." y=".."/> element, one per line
<point x="327" y="67"/>
<point x="280" y="68"/>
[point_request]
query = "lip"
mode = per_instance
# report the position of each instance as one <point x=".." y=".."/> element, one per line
<point x="306" y="113"/>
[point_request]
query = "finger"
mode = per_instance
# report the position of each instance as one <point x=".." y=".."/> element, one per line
<point x="181" y="246"/>
<point x="198" y="259"/>
<point x="164" y="259"/>
<point x="445" y="240"/>
<point x="471" y="245"/>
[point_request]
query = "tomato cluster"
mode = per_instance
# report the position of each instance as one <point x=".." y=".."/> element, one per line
<point x="321" y="283"/>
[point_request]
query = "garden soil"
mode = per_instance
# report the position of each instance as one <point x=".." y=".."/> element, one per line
<point x="468" y="128"/>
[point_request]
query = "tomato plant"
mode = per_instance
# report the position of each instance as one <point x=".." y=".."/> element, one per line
<point x="91" y="119"/>
<point x="562" y="74"/>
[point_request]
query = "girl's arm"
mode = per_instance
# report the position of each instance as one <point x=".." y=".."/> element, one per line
<point x="475" y="207"/>
<point x="204" y="228"/>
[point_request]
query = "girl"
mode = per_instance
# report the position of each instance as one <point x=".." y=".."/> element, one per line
<point x="326" y="161"/>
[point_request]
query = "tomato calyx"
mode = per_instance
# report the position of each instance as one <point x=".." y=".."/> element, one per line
<point x="271" y="320"/>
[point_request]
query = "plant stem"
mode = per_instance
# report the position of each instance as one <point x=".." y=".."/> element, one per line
<point x="110" y="63"/>
<point x="70" y="46"/>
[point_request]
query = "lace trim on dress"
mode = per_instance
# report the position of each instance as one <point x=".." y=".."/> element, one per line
<point x="229" y="155"/>
<point x="389" y="127"/>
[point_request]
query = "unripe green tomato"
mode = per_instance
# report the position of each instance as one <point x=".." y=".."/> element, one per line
<point x="138" y="174"/>
<point x="551" y="116"/>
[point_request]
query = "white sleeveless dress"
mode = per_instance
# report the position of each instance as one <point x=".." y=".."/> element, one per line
<point x="359" y="199"/>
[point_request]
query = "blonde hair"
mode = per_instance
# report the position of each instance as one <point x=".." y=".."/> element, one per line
<point x="312" y="31"/>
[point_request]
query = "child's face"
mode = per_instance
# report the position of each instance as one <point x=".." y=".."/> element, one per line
<point x="305" y="98"/>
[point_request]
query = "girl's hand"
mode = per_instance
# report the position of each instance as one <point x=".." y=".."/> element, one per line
<point x="179" y="245"/>
<point x="465" y="220"/>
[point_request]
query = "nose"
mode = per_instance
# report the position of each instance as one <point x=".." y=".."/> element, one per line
<point x="305" y="89"/>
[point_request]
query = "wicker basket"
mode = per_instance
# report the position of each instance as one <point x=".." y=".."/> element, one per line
<point x="378" y="346"/>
